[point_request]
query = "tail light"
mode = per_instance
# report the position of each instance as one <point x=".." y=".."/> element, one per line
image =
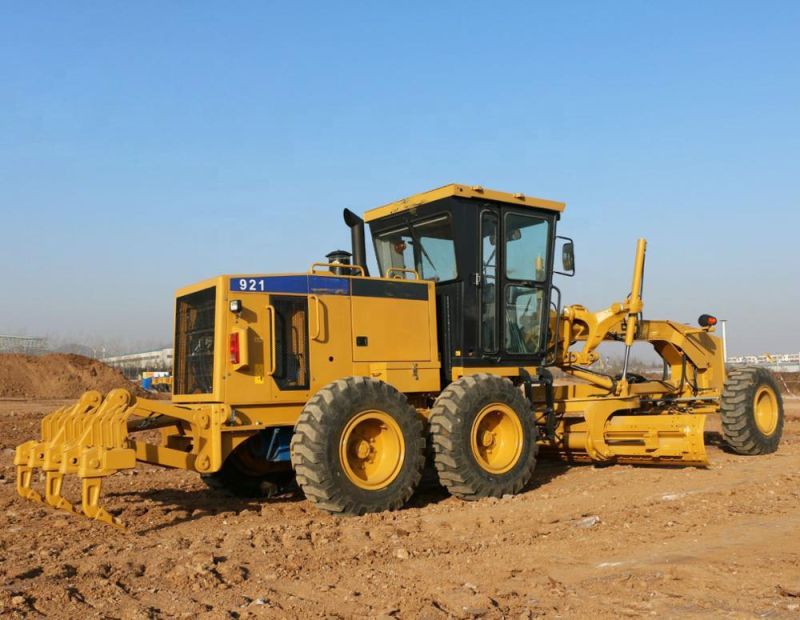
<point x="234" y="348"/>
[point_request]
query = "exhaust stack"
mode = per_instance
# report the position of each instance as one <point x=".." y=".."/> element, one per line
<point x="356" y="225"/>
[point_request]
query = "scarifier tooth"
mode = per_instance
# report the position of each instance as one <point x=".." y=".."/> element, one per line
<point x="52" y="490"/>
<point x="24" y="476"/>
<point x="90" y="499"/>
<point x="22" y="460"/>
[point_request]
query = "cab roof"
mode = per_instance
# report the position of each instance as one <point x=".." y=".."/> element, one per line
<point x="461" y="191"/>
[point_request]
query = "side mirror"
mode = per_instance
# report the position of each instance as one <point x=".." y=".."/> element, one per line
<point x="567" y="256"/>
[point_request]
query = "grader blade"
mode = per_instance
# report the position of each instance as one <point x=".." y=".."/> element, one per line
<point x="88" y="439"/>
<point x="657" y="439"/>
<point x="668" y="439"/>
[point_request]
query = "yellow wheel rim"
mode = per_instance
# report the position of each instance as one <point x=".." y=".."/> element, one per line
<point x="496" y="438"/>
<point x="372" y="450"/>
<point x="765" y="406"/>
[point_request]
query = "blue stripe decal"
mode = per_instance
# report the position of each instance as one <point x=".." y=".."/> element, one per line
<point x="298" y="285"/>
<point x="328" y="285"/>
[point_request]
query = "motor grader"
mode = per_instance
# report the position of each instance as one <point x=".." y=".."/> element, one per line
<point x="346" y="382"/>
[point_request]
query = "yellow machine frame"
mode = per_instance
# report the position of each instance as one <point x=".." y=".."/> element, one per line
<point x="594" y="417"/>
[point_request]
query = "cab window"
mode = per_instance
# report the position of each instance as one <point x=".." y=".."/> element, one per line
<point x="489" y="226"/>
<point x="526" y="247"/>
<point x="524" y="306"/>
<point x="426" y="247"/>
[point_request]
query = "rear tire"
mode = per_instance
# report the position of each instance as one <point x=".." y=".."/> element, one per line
<point x="484" y="437"/>
<point x="358" y="447"/>
<point x="752" y="411"/>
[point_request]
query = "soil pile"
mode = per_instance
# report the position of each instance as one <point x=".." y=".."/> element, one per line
<point x="58" y="375"/>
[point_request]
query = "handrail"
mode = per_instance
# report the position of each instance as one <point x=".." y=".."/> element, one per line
<point x="317" y="324"/>
<point x="329" y="266"/>
<point x="557" y="330"/>
<point x="402" y="270"/>
<point x="273" y="353"/>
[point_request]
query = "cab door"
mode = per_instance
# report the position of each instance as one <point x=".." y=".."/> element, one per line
<point x="489" y="285"/>
<point x="525" y="278"/>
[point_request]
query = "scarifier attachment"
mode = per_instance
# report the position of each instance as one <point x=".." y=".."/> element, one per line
<point x="90" y="439"/>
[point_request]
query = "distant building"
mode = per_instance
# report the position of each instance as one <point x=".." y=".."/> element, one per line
<point x="23" y="344"/>
<point x="134" y="365"/>
<point x="778" y="362"/>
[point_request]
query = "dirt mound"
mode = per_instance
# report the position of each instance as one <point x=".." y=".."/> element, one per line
<point x="58" y="375"/>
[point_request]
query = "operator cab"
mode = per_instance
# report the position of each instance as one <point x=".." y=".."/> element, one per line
<point x="491" y="256"/>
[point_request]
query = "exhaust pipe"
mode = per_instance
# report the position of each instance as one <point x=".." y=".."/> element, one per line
<point x="356" y="225"/>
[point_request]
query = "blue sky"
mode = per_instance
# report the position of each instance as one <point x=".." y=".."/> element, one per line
<point x="147" y="145"/>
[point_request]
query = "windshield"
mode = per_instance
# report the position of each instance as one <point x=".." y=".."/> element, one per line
<point x="426" y="247"/>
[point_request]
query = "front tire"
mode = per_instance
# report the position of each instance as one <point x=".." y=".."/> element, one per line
<point x="358" y="447"/>
<point x="484" y="437"/>
<point x="752" y="411"/>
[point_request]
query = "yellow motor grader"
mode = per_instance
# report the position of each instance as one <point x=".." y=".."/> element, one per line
<point x="342" y="381"/>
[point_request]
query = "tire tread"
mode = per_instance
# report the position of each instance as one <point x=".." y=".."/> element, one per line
<point x="737" y="411"/>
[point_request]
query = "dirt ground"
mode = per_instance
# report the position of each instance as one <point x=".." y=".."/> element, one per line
<point x="583" y="541"/>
